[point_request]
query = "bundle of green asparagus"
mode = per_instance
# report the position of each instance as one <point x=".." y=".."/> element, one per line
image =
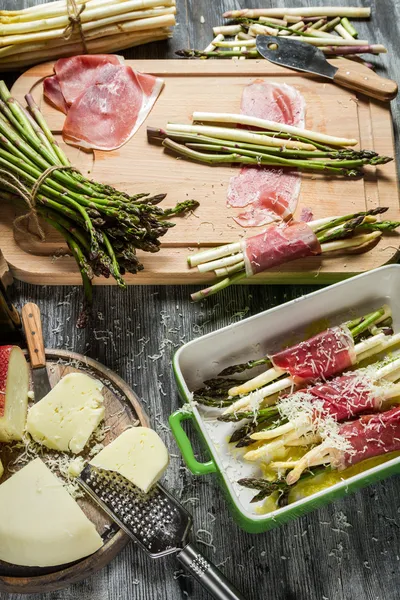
<point x="64" y="28"/>
<point x="102" y="226"/>
<point x="268" y="143"/>
<point x="326" y="27"/>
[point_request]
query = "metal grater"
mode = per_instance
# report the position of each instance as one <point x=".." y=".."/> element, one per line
<point x="157" y="522"/>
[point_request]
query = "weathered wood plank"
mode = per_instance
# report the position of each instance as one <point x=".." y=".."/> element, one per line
<point x="343" y="551"/>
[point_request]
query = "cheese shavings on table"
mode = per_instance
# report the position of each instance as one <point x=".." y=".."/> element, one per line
<point x="41" y="525"/>
<point x="66" y="418"/>
<point x="138" y="454"/>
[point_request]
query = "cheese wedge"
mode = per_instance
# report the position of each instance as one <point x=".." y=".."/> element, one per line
<point x="66" y="418"/>
<point x="139" y="454"/>
<point x="40" y="523"/>
<point x="14" y="387"/>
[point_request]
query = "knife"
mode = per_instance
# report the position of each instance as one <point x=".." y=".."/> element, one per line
<point x="34" y="339"/>
<point x="310" y="59"/>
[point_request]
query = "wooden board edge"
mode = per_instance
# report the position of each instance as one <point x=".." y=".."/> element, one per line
<point x="314" y="276"/>
<point x="86" y="567"/>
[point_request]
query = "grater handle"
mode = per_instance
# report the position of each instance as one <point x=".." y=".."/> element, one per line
<point x="207" y="574"/>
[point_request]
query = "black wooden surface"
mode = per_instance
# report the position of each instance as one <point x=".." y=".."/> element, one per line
<point x="347" y="550"/>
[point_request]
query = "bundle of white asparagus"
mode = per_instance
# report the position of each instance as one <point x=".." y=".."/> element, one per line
<point x="327" y="27"/>
<point x="64" y="28"/>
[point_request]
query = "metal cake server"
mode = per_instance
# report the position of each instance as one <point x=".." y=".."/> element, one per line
<point x="301" y="56"/>
<point x="34" y="339"/>
<point x="157" y="522"/>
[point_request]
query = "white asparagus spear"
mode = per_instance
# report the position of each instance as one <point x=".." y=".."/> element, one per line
<point x="387" y="342"/>
<point x="305" y="11"/>
<point x="240" y="119"/>
<point x="262" y="30"/>
<point x="213" y="253"/>
<point x="239" y="135"/>
<point x="222" y="262"/>
<point x="227" y="30"/>
<point x="273" y="21"/>
<point x="343" y="32"/>
<point x="210" y="48"/>
<point x="299" y="25"/>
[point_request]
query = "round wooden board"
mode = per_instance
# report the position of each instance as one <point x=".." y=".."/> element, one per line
<point x="123" y="409"/>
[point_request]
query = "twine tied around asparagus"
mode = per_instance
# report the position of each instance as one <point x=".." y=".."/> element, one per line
<point x="29" y="196"/>
<point x="74" y="16"/>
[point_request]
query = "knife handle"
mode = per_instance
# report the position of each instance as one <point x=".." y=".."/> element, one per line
<point x="34" y="336"/>
<point x="370" y="84"/>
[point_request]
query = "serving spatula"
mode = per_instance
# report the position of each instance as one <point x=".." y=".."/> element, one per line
<point x="34" y="339"/>
<point x="304" y="57"/>
<point x="157" y="522"/>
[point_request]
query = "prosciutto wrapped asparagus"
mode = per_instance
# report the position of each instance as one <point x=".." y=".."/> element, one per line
<point x="368" y="436"/>
<point x="313" y="414"/>
<point x="289" y="241"/>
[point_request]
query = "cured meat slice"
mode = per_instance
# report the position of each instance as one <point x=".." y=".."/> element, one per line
<point x="107" y="114"/>
<point x="371" y="435"/>
<point x="277" y="245"/>
<point x="274" y="101"/>
<point x="270" y="193"/>
<point x="53" y="94"/>
<point x="77" y="73"/>
<point x="347" y="396"/>
<point x="323" y="355"/>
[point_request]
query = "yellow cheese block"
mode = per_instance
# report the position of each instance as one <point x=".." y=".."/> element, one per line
<point x="66" y="418"/>
<point x="41" y="525"/>
<point x="139" y="454"/>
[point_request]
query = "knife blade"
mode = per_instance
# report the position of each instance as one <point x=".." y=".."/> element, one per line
<point x="307" y="58"/>
<point x="34" y="337"/>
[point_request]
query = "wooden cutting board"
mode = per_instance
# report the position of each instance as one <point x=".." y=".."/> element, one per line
<point x="123" y="409"/>
<point x="217" y="85"/>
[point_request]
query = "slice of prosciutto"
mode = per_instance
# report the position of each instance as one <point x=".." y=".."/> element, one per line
<point x="370" y="435"/>
<point x="269" y="193"/>
<point x="322" y="356"/>
<point x="105" y="101"/>
<point x="107" y="114"/>
<point x="277" y="245"/>
<point x="347" y="396"/>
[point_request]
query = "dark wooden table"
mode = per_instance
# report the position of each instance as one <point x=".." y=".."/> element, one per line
<point x="348" y="550"/>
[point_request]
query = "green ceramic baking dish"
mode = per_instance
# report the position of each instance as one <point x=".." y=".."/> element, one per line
<point x="204" y="357"/>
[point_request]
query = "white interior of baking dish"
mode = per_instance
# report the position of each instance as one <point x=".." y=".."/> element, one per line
<point x="271" y="330"/>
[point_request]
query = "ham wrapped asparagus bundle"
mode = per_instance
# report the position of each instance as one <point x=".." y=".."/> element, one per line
<point x="289" y="241"/>
<point x="368" y="436"/>
<point x="313" y="414"/>
<point x="330" y="352"/>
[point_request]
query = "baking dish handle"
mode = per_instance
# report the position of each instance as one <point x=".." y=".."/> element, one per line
<point x="196" y="467"/>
